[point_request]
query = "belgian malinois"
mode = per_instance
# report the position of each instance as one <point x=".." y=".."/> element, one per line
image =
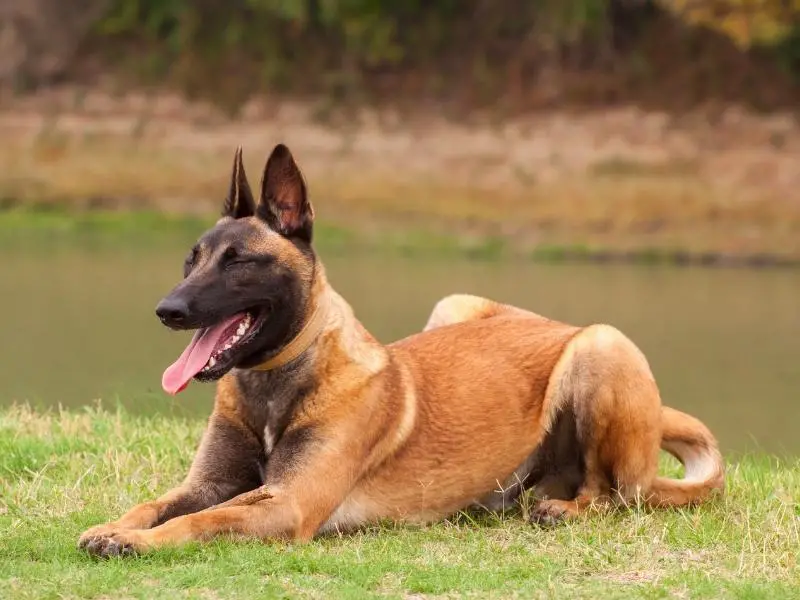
<point x="318" y="427"/>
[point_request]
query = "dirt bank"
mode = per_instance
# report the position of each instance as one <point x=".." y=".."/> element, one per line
<point x="620" y="178"/>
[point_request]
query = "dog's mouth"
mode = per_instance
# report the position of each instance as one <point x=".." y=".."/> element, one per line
<point x="213" y="351"/>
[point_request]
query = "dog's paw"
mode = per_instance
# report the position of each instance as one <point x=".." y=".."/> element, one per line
<point x="548" y="513"/>
<point x="105" y="529"/>
<point x="106" y="547"/>
<point x="105" y="541"/>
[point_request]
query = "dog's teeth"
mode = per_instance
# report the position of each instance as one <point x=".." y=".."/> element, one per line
<point x="212" y="361"/>
<point x="242" y="328"/>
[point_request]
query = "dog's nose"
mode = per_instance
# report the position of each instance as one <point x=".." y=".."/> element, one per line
<point x="172" y="311"/>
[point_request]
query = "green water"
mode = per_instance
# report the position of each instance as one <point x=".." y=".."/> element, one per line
<point x="79" y="325"/>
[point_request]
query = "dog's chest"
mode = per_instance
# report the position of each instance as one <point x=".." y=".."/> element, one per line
<point x="270" y="438"/>
<point x="269" y="400"/>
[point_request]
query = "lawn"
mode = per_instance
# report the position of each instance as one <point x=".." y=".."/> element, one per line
<point x="61" y="472"/>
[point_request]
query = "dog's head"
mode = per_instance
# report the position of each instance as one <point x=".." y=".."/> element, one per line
<point x="248" y="279"/>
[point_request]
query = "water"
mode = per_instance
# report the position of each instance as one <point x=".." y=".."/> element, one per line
<point x="79" y="325"/>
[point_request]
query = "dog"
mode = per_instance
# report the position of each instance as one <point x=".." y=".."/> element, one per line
<point x="317" y="427"/>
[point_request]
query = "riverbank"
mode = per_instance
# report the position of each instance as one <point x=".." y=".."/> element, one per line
<point x="64" y="471"/>
<point x="43" y="227"/>
<point x="621" y="184"/>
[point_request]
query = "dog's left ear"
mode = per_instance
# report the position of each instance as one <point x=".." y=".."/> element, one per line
<point x="240" y="202"/>
<point x="284" y="201"/>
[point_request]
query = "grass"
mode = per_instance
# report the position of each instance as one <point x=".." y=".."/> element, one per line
<point x="43" y="227"/>
<point x="61" y="472"/>
<point x="40" y="228"/>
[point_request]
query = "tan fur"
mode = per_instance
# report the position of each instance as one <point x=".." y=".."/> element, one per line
<point x="602" y="356"/>
<point x="442" y="420"/>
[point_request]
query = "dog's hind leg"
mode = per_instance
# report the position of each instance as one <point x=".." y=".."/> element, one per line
<point x="618" y="416"/>
<point x="227" y="463"/>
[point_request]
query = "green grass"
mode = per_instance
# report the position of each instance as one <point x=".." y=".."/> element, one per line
<point x="45" y="227"/>
<point x="61" y="472"/>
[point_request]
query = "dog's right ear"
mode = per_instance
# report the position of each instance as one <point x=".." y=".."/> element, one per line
<point x="240" y="202"/>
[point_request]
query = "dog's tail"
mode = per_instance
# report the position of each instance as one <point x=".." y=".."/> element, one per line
<point x="690" y="441"/>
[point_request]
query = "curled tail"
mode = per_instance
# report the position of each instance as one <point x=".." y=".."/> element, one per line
<point x="690" y="441"/>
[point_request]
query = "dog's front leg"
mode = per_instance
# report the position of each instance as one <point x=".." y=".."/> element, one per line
<point x="228" y="462"/>
<point x="308" y="476"/>
<point x="278" y="517"/>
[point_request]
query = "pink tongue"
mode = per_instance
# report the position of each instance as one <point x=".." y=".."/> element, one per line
<point x="196" y="355"/>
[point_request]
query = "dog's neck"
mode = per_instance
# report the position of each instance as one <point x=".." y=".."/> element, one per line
<point x="329" y="314"/>
<point x="304" y="339"/>
<point x="330" y="335"/>
<point x="272" y="390"/>
<point x="318" y="316"/>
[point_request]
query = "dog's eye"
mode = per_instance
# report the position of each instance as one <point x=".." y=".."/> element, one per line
<point x="231" y="257"/>
<point x="189" y="262"/>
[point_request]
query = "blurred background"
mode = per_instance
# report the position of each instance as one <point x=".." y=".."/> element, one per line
<point x="631" y="162"/>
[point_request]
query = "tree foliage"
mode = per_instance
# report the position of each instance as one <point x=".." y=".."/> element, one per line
<point x="746" y="22"/>
<point x="336" y="44"/>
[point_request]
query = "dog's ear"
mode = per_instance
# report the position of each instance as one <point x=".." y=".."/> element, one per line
<point x="284" y="201"/>
<point x="240" y="202"/>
